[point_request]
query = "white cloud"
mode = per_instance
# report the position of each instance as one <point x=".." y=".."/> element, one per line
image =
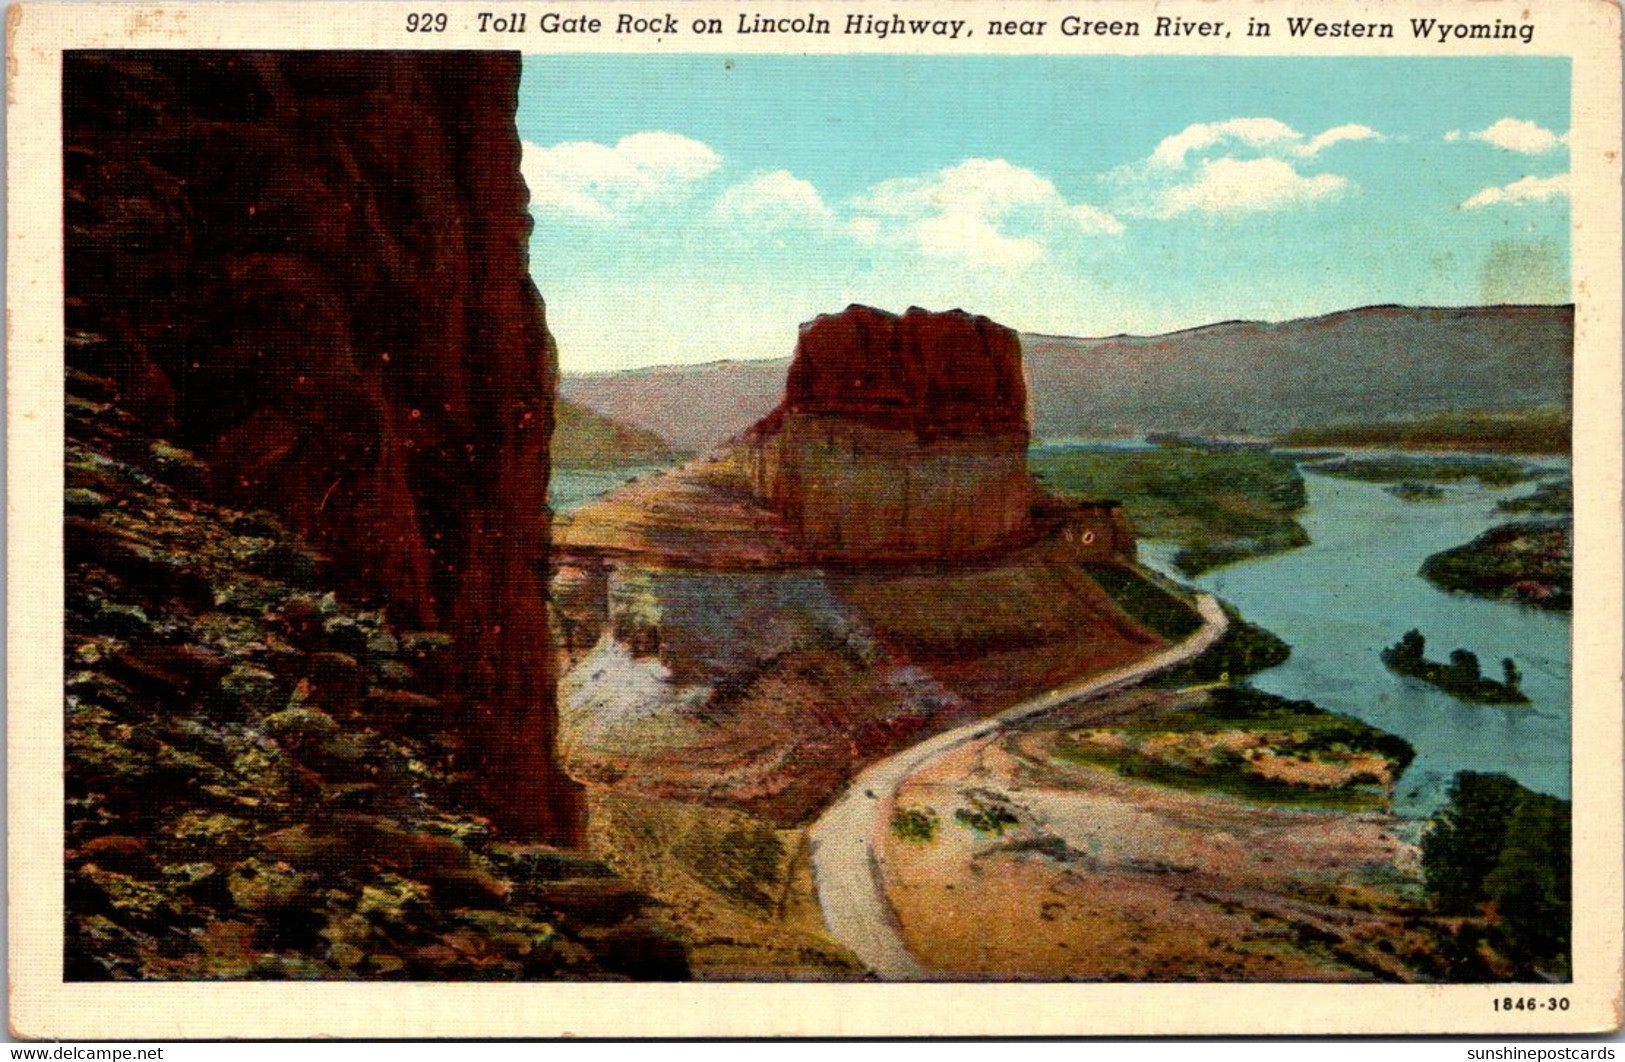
<point x="972" y="238"/>
<point x="1514" y="134"/>
<point x="590" y="180"/>
<point x="864" y="230"/>
<point x="1523" y="190"/>
<point x="1240" y="165"/>
<point x="1336" y="135"/>
<point x="985" y="212"/>
<point x="1264" y="135"/>
<point x="1240" y="186"/>
<point x="1253" y="132"/>
<point x="773" y="200"/>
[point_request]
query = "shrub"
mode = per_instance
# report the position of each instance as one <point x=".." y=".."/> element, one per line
<point x="986" y="819"/>
<point x="1501" y="846"/>
<point x="914" y="824"/>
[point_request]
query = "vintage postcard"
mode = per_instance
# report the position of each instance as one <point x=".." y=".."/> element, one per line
<point x="762" y="518"/>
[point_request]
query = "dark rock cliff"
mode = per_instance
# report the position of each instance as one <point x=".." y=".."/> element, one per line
<point x="311" y="269"/>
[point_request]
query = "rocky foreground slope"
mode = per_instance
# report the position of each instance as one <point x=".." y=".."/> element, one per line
<point x="266" y="781"/>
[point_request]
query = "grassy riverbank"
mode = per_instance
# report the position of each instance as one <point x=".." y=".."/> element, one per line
<point x="1416" y="474"/>
<point x="1530" y="563"/>
<point x="1241" y="742"/>
<point x="1220" y="507"/>
<point x="1543" y="430"/>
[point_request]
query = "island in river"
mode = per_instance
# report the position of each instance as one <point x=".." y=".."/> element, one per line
<point x="1460" y="678"/>
<point x="1528" y="562"/>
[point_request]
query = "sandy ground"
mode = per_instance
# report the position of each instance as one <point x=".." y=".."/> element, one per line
<point x="848" y="841"/>
<point x="736" y="890"/>
<point x="1102" y="878"/>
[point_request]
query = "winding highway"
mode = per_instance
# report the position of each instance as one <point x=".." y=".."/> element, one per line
<point x="846" y="838"/>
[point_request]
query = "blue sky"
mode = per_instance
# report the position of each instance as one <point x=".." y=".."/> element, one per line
<point x="696" y="207"/>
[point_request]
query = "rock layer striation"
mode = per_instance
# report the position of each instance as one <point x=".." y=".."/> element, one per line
<point x="898" y="437"/>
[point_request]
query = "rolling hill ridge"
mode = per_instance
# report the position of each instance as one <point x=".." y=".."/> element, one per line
<point x="1378" y="363"/>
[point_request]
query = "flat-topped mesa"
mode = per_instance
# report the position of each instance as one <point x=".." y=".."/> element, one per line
<point x="898" y="438"/>
<point x="932" y="373"/>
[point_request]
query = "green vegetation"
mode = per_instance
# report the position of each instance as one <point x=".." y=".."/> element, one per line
<point x="1229" y="773"/>
<point x="1244" y="649"/>
<point x="583" y="438"/>
<point x="1531" y="563"/>
<point x="744" y="864"/>
<point x="1412" y="491"/>
<point x="1548" y="498"/>
<point x="914" y="824"/>
<point x="1256" y="746"/>
<point x="1160" y="610"/>
<point x="986" y="817"/>
<point x="1313" y="728"/>
<point x="1460" y="678"/>
<point x="1219" y="507"/>
<point x="1544" y="430"/>
<point x="1416" y="471"/>
<point x="1500" y="849"/>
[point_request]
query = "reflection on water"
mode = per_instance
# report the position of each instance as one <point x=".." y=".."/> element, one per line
<point x="1355" y="590"/>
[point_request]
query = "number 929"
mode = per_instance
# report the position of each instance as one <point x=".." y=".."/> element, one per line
<point x="426" y="23"/>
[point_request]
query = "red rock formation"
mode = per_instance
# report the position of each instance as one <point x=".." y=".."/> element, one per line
<point x="930" y="373"/>
<point x="311" y="268"/>
<point x="898" y="438"/>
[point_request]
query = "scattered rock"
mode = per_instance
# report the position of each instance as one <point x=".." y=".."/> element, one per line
<point x="248" y="692"/>
<point x="336" y="679"/>
<point x="401" y="706"/>
<point x="125" y="855"/>
<point x="83" y="500"/>
<point x="294" y="728"/>
<point x="257" y="886"/>
<point x="345" y="635"/>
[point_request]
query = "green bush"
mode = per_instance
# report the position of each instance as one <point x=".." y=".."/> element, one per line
<point x="1497" y="845"/>
<point x="1244" y="649"/>
<point x="986" y="818"/>
<point x="1147" y="602"/>
<point x="914" y="824"/>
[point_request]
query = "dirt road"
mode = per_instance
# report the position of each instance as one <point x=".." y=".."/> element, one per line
<point x="851" y="892"/>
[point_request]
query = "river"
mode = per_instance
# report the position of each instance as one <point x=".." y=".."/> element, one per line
<point x="1355" y="590"/>
<point x="571" y="488"/>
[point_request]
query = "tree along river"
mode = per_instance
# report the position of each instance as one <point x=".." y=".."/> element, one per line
<point x="1355" y="590"/>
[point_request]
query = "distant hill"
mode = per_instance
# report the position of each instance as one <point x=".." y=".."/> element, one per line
<point x="1375" y="364"/>
<point x="1380" y="363"/>
<point x="694" y="407"/>
<point x="583" y="438"/>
